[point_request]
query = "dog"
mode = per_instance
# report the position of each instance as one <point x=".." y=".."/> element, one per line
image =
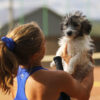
<point x="76" y="30"/>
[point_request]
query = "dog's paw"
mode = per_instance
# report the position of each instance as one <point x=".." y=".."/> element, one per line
<point x="52" y="64"/>
<point x="71" y="71"/>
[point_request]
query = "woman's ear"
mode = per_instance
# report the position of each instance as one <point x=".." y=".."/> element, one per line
<point x="86" y="27"/>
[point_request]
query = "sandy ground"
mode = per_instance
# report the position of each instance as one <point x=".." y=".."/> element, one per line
<point x="95" y="94"/>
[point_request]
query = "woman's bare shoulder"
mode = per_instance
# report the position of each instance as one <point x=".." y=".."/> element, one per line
<point x="54" y="78"/>
<point x="48" y="74"/>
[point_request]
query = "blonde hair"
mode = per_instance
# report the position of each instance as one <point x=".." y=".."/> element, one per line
<point x="28" y="39"/>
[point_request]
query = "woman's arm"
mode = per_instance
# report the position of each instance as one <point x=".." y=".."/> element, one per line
<point x="74" y="88"/>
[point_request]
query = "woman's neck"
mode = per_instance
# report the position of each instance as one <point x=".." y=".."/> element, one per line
<point x="31" y="65"/>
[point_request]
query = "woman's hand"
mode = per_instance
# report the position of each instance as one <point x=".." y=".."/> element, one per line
<point x="65" y="55"/>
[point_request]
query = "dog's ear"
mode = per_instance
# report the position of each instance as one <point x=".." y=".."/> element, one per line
<point x="64" y="22"/>
<point x="62" y="26"/>
<point x="86" y="27"/>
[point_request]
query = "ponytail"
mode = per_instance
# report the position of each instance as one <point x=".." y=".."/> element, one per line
<point x="8" y="67"/>
<point x="18" y="48"/>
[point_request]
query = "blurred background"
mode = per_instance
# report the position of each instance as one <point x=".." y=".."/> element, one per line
<point x="48" y="14"/>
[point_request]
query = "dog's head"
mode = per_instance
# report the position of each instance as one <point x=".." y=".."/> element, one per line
<point x="75" y="25"/>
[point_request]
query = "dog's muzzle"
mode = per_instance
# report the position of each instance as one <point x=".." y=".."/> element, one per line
<point x="69" y="33"/>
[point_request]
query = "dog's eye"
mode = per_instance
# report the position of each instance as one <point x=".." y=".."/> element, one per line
<point x="75" y="24"/>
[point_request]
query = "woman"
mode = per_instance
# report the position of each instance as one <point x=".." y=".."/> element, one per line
<point x="22" y="74"/>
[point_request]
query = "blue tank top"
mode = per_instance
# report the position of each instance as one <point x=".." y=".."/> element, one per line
<point x="22" y="76"/>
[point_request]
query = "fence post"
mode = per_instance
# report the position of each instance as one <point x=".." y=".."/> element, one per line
<point x="45" y="19"/>
<point x="21" y="20"/>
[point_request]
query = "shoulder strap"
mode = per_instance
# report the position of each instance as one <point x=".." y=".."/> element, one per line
<point x="34" y="69"/>
<point x="21" y="80"/>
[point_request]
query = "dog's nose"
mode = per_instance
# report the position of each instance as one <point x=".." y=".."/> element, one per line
<point x="69" y="33"/>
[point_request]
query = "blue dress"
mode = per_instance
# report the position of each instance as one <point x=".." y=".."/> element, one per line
<point x="22" y="76"/>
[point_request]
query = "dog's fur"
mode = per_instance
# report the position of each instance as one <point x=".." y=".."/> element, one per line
<point x="80" y="47"/>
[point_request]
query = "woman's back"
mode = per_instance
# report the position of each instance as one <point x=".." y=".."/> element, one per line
<point x="41" y="85"/>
